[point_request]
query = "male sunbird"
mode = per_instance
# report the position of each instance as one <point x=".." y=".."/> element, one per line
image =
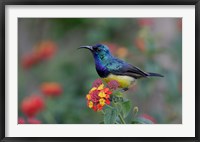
<point x="111" y="68"/>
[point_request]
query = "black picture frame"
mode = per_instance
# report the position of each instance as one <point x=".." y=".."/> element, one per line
<point x="4" y="3"/>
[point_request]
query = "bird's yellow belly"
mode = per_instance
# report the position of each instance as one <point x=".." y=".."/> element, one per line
<point x="124" y="81"/>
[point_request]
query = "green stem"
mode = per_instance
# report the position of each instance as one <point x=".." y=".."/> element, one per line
<point x="103" y="112"/>
<point x="109" y="106"/>
<point x="121" y="119"/>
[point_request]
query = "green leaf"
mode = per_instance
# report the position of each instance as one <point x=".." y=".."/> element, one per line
<point x="118" y="94"/>
<point x="117" y="99"/>
<point x="126" y="108"/>
<point x="110" y="115"/>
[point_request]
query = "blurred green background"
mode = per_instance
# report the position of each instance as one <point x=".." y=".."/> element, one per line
<point x="152" y="44"/>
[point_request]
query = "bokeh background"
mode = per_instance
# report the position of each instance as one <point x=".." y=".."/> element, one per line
<point x="54" y="77"/>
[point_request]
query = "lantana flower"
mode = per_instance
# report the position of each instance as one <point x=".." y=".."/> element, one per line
<point x="97" y="83"/>
<point x="42" y="51"/>
<point x="51" y="89"/>
<point x="98" y="96"/>
<point x="31" y="105"/>
<point x="113" y="85"/>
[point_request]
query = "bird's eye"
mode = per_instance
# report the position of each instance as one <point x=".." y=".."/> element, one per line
<point x="97" y="49"/>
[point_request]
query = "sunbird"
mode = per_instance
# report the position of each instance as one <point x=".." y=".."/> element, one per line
<point x="110" y="68"/>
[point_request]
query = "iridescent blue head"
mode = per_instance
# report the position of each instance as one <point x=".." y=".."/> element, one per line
<point x="99" y="51"/>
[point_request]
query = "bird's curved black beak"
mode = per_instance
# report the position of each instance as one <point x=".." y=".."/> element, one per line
<point x="86" y="47"/>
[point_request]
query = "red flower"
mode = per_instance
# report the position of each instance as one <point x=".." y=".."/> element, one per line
<point x="99" y="107"/>
<point x="148" y="117"/>
<point x="29" y="60"/>
<point x="21" y="120"/>
<point x="51" y="89"/>
<point x="145" y="22"/>
<point x="98" y="97"/>
<point x="42" y="51"/>
<point x="107" y="101"/>
<point x="32" y="105"/>
<point x="33" y="121"/>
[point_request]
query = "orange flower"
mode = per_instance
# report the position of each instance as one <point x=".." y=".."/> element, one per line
<point x="140" y="43"/>
<point x="122" y="52"/>
<point x="31" y="105"/>
<point x="117" y="50"/>
<point x="42" y="51"/>
<point x="45" y="49"/>
<point x="98" y="97"/>
<point x="51" y="89"/>
<point x="99" y="107"/>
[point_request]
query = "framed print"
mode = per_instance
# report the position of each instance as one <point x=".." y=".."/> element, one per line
<point x="104" y="71"/>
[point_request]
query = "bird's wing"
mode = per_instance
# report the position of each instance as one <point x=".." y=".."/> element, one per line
<point x="119" y="67"/>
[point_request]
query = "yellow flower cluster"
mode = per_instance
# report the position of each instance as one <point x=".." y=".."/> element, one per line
<point x="98" y="97"/>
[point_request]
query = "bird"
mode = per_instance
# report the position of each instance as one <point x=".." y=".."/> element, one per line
<point x="110" y="67"/>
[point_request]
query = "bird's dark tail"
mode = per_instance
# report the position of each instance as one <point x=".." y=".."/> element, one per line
<point x="154" y="74"/>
